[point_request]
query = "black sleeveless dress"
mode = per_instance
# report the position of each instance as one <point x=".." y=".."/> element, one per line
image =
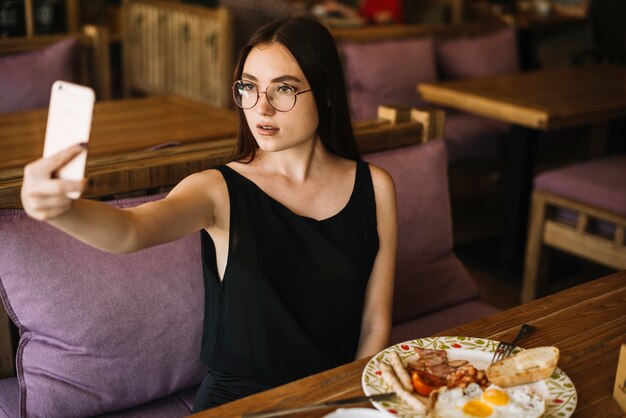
<point x="291" y="300"/>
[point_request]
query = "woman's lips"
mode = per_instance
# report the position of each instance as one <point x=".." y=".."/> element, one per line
<point x="266" y="129"/>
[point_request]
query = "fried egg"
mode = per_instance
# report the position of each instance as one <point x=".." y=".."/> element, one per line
<point x="493" y="402"/>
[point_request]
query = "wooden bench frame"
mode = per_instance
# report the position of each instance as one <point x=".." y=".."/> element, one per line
<point x="545" y="231"/>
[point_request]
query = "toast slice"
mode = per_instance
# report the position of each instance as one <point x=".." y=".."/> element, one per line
<point x="525" y="367"/>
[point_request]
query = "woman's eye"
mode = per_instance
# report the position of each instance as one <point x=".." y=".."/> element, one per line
<point x="248" y="86"/>
<point x="285" y="89"/>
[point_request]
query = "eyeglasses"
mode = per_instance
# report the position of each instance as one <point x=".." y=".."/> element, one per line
<point x="281" y="96"/>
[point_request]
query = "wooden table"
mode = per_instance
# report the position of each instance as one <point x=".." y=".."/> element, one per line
<point x="122" y="154"/>
<point x="534" y="101"/>
<point x="587" y="323"/>
<point x="141" y="145"/>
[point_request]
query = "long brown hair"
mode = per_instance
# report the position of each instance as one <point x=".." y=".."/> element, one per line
<point x="314" y="49"/>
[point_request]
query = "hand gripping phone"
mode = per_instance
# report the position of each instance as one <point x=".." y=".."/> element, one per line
<point x="69" y="123"/>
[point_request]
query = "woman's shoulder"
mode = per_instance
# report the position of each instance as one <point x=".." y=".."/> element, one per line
<point x="209" y="184"/>
<point x="201" y="178"/>
<point x="381" y="178"/>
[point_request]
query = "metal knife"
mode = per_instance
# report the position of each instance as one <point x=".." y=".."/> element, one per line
<point x="321" y="405"/>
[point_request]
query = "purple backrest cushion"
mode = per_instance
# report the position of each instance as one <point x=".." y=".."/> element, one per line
<point x="386" y="73"/>
<point x="99" y="331"/>
<point x="26" y="79"/>
<point x="484" y="55"/>
<point x="424" y="232"/>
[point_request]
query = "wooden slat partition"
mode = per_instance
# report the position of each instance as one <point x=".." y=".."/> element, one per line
<point x="72" y="15"/>
<point x="174" y="48"/>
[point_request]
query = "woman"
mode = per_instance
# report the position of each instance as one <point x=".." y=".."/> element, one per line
<point x="298" y="235"/>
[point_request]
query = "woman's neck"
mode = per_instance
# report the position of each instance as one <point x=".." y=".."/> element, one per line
<point x="297" y="163"/>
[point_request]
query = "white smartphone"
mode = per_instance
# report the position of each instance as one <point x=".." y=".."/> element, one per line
<point x="69" y="123"/>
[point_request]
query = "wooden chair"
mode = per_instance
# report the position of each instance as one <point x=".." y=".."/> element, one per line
<point x="581" y="210"/>
<point x="180" y="49"/>
<point x="94" y="60"/>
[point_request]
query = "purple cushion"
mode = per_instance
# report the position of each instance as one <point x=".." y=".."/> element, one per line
<point x="442" y="320"/>
<point x="600" y="183"/>
<point x="99" y="331"/>
<point x="26" y="79"/>
<point x="491" y="54"/>
<point x="429" y="277"/>
<point x="9" y="398"/>
<point x="473" y="137"/>
<point x="386" y="73"/>
<point x="187" y="396"/>
<point x="169" y="407"/>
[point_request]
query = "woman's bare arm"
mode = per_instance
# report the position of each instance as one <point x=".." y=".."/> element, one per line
<point x="189" y="207"/>
<point x="376" y="322"/>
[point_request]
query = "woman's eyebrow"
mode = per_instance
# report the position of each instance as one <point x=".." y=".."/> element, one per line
<point x="285" y="78"/>
<point x="281" y="79"/>
<point x="249" y="76"/>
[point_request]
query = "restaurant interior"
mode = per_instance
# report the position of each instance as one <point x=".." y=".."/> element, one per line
<point x="527" y="98"/>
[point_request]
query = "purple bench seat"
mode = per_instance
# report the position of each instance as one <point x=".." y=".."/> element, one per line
<point x="100" y="332"/>
<point x="179" y="404"/>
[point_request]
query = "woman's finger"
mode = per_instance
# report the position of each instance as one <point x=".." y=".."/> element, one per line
<point x="54" y="187"/>
<point x="47" y="166"/>
<point x="46" y="212"/>
<point x="46" y="203"/>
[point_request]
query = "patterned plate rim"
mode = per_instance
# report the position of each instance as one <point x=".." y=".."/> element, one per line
<point x="562" y="403"/>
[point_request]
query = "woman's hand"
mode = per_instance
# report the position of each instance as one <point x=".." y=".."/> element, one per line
<point x="43" y="196"/>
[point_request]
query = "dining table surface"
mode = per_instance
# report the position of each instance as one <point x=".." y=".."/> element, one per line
<point x="544" y="99"/>
<point x="120" y="126"/>
<point x="587" y="323"/>
<point x="135" y="144"/>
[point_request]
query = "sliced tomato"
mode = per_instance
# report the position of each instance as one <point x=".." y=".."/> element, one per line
<point x="424" y="382"/>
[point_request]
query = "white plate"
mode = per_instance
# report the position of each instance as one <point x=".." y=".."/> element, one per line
<point x="558" y="390"/>
<point x="356" y="413"/>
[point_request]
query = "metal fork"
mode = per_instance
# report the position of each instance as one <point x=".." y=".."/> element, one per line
<point x="506" y="349"/>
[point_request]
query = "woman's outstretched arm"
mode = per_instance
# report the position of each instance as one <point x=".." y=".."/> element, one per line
<point x="187" y="208"/>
